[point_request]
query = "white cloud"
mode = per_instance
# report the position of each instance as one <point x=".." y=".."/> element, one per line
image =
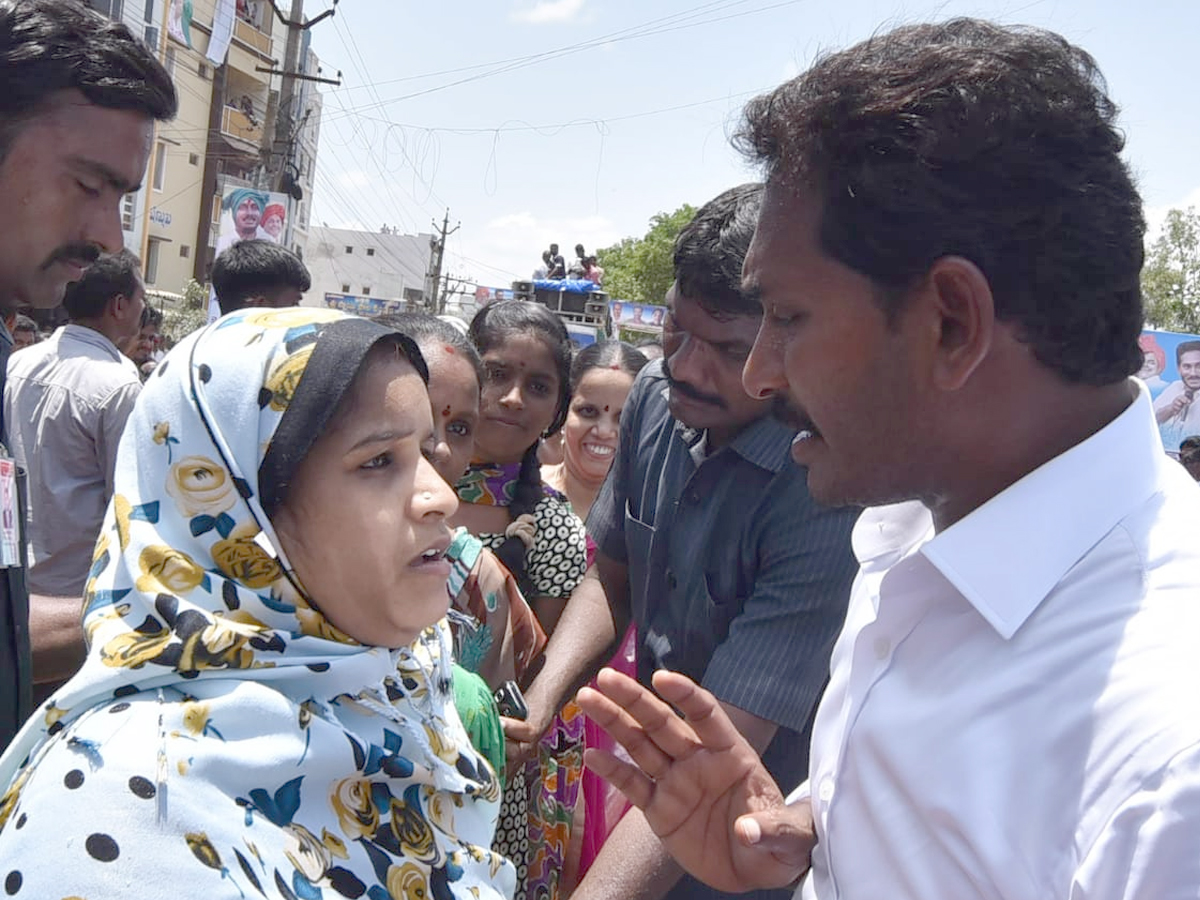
<point x="522" y="220"/>
<point x="1156" y="215"/>
<point x="547" y="12"/>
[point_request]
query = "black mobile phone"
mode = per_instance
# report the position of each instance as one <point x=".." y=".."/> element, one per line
<point x="511" y="702"/>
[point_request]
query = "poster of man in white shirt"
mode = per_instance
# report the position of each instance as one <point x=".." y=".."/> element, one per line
<point x="1176" y="408"/>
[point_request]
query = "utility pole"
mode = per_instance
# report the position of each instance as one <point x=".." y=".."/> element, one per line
<point x="282" y="126"/>
<point x="212" y="153"/>
<point x="437" y="250"/>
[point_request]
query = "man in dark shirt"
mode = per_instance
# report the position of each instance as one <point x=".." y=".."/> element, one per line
<point x="81" y="95"/>
<point x="708" y="539"/>
<point x="558" y="268"/>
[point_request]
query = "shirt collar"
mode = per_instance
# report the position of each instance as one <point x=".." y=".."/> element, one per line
<point x="91" y="336"/>
<point x="1006" y="556"/>
<point x="766" y="443"/>
<point x="883" y="535"/>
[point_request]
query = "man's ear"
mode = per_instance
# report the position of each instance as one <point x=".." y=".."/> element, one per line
<point x="961" y="300"/>
<point x="119" y="306"/>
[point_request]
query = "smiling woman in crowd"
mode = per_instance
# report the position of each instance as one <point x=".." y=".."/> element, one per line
<point x="265" y="705"/>
<point x="601" y="376"/>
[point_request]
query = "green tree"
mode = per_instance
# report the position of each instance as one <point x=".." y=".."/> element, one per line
<point x="640" y="269"/>
<point x="1171" y="276"/>
<point x="181" y="320"/>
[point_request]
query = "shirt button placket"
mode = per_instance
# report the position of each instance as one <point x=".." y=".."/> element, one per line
<point x="883" y="649"/>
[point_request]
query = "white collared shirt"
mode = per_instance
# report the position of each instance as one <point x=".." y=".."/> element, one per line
<point x="1014" y="708"/>
<point x="65" y="404"/>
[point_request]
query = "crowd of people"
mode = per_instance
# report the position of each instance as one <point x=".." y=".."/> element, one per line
<point x="347" y="629"/>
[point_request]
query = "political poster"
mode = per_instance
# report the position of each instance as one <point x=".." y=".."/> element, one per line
<point x="364" y="306"/>
<point x="179" y="22"/>
<point x="250" y="213"/>
<point x="1171" y="370"/>
<point x="642" y="317"/>
<point x="486" y="295"/>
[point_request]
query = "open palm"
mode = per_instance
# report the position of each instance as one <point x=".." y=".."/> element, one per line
<point x="701" y="786"/>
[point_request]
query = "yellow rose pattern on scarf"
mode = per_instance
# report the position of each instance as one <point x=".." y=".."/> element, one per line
<point x="223" y="737"/>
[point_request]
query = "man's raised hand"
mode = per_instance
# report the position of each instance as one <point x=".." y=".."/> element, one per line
<point x="701" y="786"/>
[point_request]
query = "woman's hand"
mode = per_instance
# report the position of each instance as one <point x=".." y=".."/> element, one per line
<point x="521" y="739"/>
<point x="701" y="786"/>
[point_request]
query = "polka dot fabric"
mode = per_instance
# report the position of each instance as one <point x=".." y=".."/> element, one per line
<point x="558" y="559"/>
<point x="223" y="740"/>
<point x="539" y="803"/>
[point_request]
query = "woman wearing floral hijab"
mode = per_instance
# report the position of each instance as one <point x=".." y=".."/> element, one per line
<point x="265" y="707"/>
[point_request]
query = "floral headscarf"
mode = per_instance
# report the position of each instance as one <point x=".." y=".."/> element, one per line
<point x="223" y="738"/>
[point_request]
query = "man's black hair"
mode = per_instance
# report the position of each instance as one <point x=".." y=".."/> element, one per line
<point x="255" y="268"/>
<point x="151" y="316"/>
<point x="970" y="139"/>
<point x="711" y="248"/>
<point x="112" y="275"/>
<point x="1186" y="347"/>
<point x="23" y="323"/>
<point x="48" y="46"/>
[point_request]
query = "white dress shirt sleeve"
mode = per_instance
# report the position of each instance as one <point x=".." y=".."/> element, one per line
<point x="114" y="413"/>
<point x="1150" y="847"/>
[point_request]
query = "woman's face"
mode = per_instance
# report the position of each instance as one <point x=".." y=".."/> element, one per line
<point x="454" y="397"/>
<point x="592" y="429"/>
<point x="520" y="398"/>
<point x="364" y="523"/>
<point x="248" y="214"/>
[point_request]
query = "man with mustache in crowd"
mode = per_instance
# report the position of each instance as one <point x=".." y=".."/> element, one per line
<point x="141" y="348"/>
<point x="708" y="539"/>
<point x="245" y="206"/>
<point x="1011" y="711"/>
<point x="81" y="95"/>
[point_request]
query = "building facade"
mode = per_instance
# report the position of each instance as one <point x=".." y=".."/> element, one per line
<point x="308" y="132"/>
<point x="222" y="136"/>
<point x="145" y="19"/>
<point x="362" y="267"/>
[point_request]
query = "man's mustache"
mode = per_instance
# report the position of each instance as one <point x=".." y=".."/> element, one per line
<point x="688" y="391"/>
<point x="77" y="252"/>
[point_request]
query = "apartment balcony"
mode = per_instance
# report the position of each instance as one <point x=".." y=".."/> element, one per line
<point x="237" y="124"/>
<point x="251" y="37"/>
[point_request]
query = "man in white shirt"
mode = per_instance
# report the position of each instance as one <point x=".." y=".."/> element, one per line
<point x="1011" y="712"/>
<point x="66" y="401"/>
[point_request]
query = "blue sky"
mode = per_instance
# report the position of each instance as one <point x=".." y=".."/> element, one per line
<point x="577" y="120"/>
